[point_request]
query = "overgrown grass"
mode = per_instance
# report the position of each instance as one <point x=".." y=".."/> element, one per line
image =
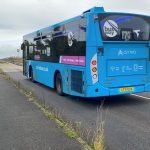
<point x="99" y="140"/>
<point x="2" y="61"/>
<point x="72" y="130"/>
<point x="13" y="60"/>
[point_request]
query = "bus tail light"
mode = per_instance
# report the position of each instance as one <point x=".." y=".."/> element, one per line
<point x="94" y="70"/>
<point x="94" y="62"/>
<point x="94" y="76"/>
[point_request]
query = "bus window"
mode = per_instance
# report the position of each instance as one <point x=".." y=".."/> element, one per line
<point x="124" y="27"/>
<point x="37" y="54"/>
<point x="31" y="52"/>
<point x="48" y="51"/>
<point x="81" y="51"/>
<point x="72" y="35"/>
<point x="30" y="49"/>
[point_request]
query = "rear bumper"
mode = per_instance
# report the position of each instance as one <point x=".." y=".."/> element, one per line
<point x="99" y="91"/>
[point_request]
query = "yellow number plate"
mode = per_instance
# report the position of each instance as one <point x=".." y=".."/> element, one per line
<point x="126" y="89"/>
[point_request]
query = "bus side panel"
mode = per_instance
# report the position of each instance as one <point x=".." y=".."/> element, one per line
<point x="44" y="73"/>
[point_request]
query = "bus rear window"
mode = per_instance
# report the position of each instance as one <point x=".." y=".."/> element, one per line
<point x="117" y="27"/>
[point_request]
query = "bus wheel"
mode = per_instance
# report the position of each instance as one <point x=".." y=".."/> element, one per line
<point x="59" y="86"/>
<point x="31" y="75"/>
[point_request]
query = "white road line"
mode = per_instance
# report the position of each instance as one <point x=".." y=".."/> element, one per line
<point x="141" y="96"/>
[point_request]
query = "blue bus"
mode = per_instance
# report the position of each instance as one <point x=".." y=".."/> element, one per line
<point x="95" y="54"/>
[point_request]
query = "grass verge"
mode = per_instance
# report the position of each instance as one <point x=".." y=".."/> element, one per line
<point x="14" y="60"/>
<point x="72" y="130"/>
<point x="99" y="140"/>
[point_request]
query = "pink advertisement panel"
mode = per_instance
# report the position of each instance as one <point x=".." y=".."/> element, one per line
<point x="73" y="60"/>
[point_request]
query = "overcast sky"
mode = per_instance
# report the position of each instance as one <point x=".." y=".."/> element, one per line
<point x="19" y="17"/>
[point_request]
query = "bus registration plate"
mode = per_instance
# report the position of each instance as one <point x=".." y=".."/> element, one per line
<point x="126" y="89"/>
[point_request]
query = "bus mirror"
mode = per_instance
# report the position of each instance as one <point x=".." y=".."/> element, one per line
<point x="22" y="46"/>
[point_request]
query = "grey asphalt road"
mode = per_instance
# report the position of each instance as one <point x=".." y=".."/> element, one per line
<point x="127" y="118"/>
<point x="144" y="95"/>
<point x="24" y="127"/>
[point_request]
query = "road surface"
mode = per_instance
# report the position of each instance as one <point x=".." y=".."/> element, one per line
<point x="127" y="118"/>
<point x="24" y="127"/>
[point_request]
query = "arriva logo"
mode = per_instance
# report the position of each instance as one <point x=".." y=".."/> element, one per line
<point x="126" y="52"/>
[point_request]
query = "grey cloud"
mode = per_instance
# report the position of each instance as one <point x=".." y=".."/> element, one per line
<point x="19" y="17"/>
<point x="136" y="6"/>
<point x="9" y="48"/>
<point x="39" y="13"/>
<point x="6" y="26"/>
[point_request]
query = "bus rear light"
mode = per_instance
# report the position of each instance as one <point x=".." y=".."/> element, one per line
<point x="94" y="76"/>
<point x="94" y="62"/>
<point x="94" y="69"/>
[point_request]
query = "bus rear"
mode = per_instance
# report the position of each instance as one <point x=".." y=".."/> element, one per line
<point x="120" y="57"/>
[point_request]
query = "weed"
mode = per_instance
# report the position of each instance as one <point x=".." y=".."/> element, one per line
<point x="98" y="140"/>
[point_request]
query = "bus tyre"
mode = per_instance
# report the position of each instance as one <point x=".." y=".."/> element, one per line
<point x="59" y="85"/>
<point x="32" y="76"/>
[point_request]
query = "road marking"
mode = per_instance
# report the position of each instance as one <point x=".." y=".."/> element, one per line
<point x="141" y="96"/>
